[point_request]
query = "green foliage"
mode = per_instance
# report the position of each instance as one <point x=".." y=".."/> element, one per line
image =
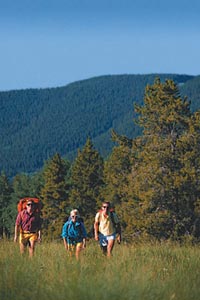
<point x="5" y="195"/>
<point x="116" y="170"/>
<point x="87" y="179"/>
<point x="152" y="179"/>
<point x="54" y="195"/>
<point x="37" y="123"/>
<point x="162" y="185"/>
<point x="164" y="112"/>
<point x="22" y="186"/>
<point x="191" y="88"/>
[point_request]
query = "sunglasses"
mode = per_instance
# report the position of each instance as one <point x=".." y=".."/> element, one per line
<point x="29" y="204"/>
<point x="105" y="206"/>
<point x="73" y="216"/>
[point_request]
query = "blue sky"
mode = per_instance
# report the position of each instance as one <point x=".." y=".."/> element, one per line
<point x="49" y="43"/>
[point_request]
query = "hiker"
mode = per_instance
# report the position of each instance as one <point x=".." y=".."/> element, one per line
<point x="107" y="228"/>
<point x="74" y="234"/>
<point x="28" y="223"/>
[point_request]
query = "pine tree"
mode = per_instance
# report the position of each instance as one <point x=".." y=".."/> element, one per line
<point x="189" y="144"/>
<point x="54" y="196"/>
<point x="5" y="214"/>
<point x="116" y="170"/>
<point x="162" y="200"/>
<point x="21" y="187"/>
<point x="86" y="176"/>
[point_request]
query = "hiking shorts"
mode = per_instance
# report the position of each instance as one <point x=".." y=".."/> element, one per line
<point x="72" y="247"/>
<point x="103" y="239"/>
<point x="24" y="238"/>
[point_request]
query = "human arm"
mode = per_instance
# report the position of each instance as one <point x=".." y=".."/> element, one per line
<point x="39" y="236"/>
<point x="64" y="235"/>
<point x="17" y="226"/>
<point x="119" y="238"/>
<point x="119" y="233"/>
<point x="84" y="243"/>
<point x="96" y="226"/>
<point x="16" y="232"/>
<point x="39" y="226"/>
<point x="65" y="243"/>
<point x="84" y="234"/>
<point x="96" y="229"/>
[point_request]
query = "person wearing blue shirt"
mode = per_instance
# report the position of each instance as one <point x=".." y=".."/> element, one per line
<point x="74" y="234"/>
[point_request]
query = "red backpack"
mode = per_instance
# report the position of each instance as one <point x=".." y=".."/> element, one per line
<point x="22" y="204"/>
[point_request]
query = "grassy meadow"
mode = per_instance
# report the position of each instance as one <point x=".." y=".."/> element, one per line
<point x="145" y="272"/>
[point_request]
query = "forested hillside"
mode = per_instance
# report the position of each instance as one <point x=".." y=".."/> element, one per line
<point x="151" y="180"/>
<point x="36" y="123"/>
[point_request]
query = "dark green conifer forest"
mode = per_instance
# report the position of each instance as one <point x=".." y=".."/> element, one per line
<point x="152" y="177"/>
<point x="37" y="123"/>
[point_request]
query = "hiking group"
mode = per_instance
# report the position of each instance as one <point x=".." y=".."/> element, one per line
<point x="28" y="225"/>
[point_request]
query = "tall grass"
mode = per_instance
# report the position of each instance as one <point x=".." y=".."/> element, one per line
<point x="142" y="272"/>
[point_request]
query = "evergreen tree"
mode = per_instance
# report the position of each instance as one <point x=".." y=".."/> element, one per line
<point x="162" y="200"/>
<point x="189" y="179"/>
<point x="21" y="187"/>
<point x="54" y="195"/>
<point x="5" y="214"/>
<point x="87" y="179"/>
<point x="116" y="170"/>
<point x="36" y="184"/>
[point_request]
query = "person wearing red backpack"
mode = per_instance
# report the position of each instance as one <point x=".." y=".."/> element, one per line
<point x="107" y="228"/>
<point x="28" y="224"/>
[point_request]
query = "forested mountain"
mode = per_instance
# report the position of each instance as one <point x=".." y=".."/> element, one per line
<point x="36" y="123"/>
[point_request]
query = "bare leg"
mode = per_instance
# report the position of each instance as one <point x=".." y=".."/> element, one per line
<point x="22" y="248"/>
<point x="78" y="250"/>
<point x="110" y="247"/>
<point x="31" y="248"/>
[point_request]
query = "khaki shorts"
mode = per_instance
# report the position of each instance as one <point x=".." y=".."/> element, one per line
<point x="24" y="238"/>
